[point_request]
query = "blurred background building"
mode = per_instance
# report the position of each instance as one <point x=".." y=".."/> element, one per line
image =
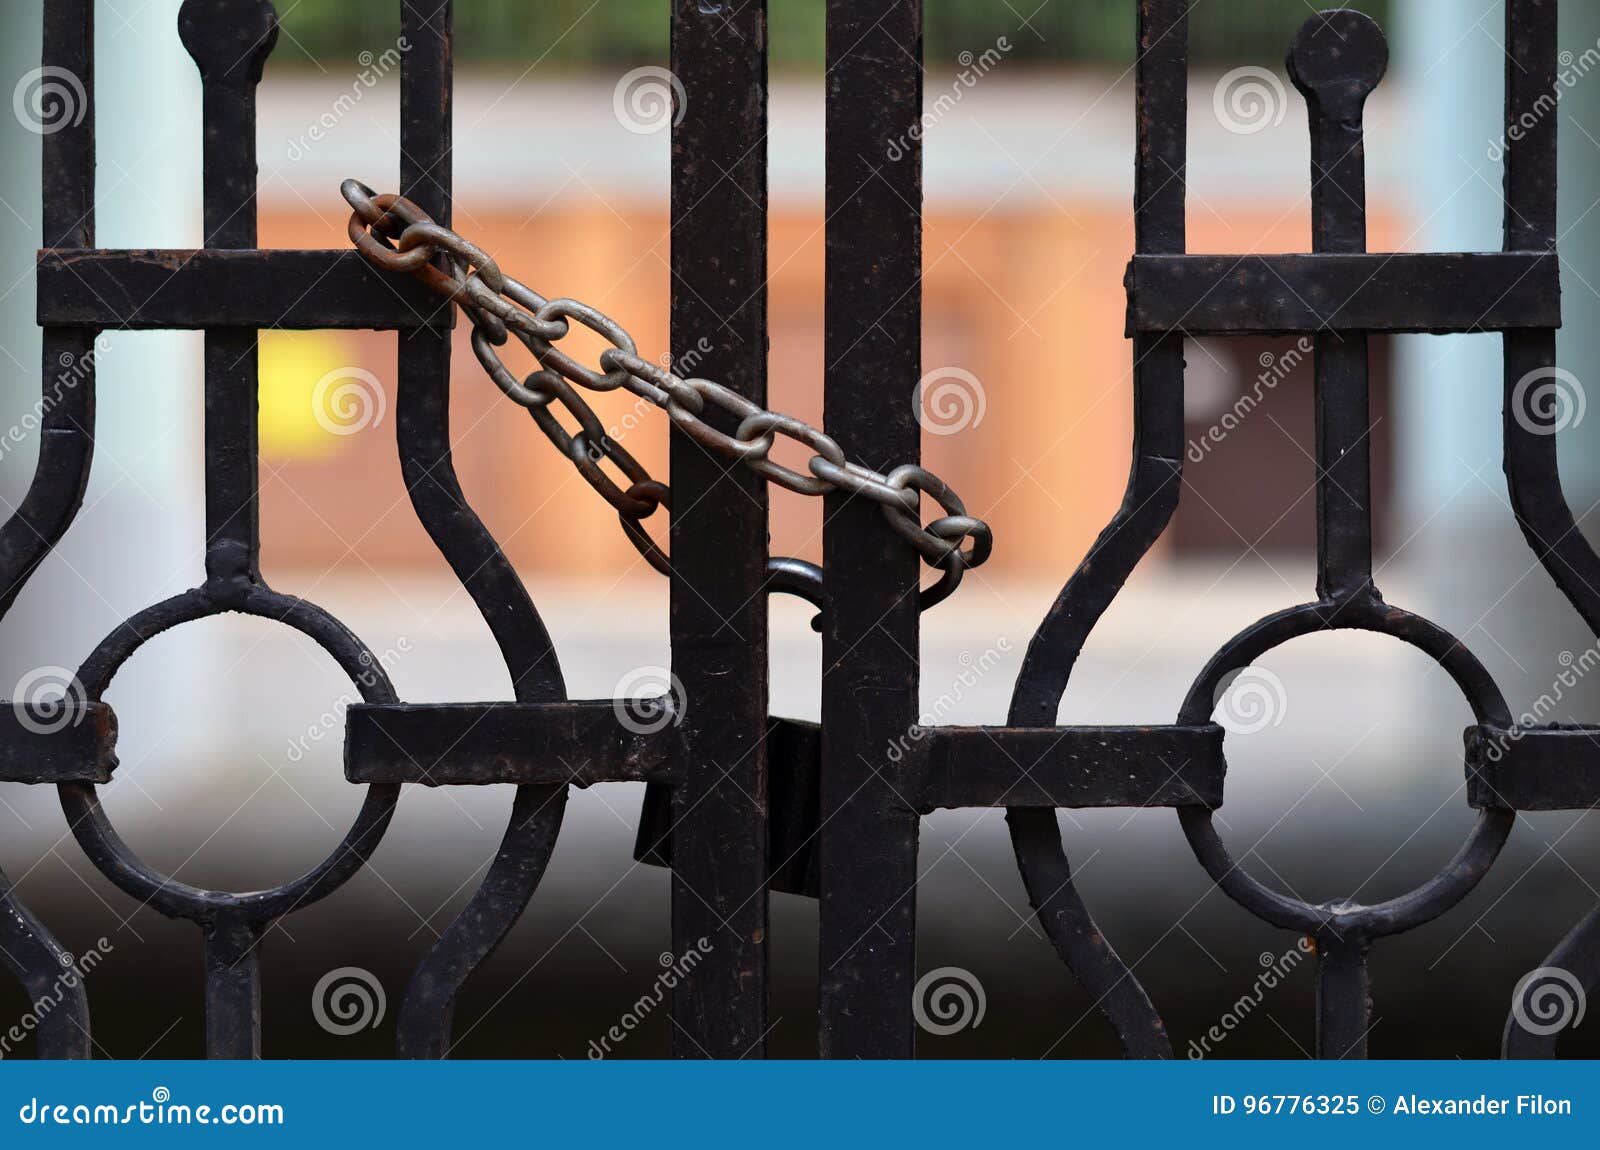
<point x="230" y="728"/>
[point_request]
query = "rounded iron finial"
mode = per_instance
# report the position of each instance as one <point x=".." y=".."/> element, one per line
<point x="1338" y="55"/>
<point x="228" y="36"/>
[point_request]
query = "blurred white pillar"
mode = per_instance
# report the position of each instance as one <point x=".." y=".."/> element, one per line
<point x="19" y="236"/>
<point x="1579" y="341"/>
<point x="1467" y="555"/>
<point x="1446" y="398"/>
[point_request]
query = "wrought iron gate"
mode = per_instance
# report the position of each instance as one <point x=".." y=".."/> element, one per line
<point x="734" y="804"/>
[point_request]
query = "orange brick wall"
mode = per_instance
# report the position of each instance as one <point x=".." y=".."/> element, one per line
<point x="1031" y="303"/>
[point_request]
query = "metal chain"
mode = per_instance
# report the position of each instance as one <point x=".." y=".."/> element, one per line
<point x="396" y="235"/>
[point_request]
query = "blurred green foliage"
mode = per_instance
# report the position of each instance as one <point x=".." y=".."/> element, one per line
<point x="575" y="33"/>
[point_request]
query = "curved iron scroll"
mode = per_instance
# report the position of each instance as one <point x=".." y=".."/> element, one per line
<point x="1147" y="507"/>
<point x="66" y="447"/>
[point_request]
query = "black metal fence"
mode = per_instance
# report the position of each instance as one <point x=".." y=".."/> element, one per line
<point x="743" y="801"/>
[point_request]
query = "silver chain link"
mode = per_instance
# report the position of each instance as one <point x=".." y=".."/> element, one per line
<point x="396" y="235"/>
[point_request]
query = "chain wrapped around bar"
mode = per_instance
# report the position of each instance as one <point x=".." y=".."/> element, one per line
<point x="396" y="235"/>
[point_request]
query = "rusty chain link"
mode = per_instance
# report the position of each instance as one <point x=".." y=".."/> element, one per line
<point x="396" y="235"/>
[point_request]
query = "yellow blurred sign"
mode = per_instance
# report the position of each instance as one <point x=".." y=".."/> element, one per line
<point x="312" y="397"/>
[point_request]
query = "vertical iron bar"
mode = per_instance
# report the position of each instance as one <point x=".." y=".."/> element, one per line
<point x="719" y="534"/>
<point x="1531" y="454"/>
<point x="1344" y="997"/>
<point x="230" y="41"/>
<point x="872" y="349"/>
<point x="233" y="987"/>
<point x="427" y="82"/>
<point x="1530" y="144"/>
<point x="1336" y="62"/>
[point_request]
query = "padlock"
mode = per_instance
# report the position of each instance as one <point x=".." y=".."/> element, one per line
<point x="794" y="810"/>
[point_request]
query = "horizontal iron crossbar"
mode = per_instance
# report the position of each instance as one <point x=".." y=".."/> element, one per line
<point x="1381" y="292"/>
<point x="218" y="287"/>
<point x="58" y="742"/>
<point x="607" y="741"/>
<point x="581" y="742"/>
<point x="1157" y="766"/>
<point x="1533" y="768"/>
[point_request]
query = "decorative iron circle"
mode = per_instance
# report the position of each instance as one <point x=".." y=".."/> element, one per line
<point x="117" y="861"/>
<point x="1456" y="879"/>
